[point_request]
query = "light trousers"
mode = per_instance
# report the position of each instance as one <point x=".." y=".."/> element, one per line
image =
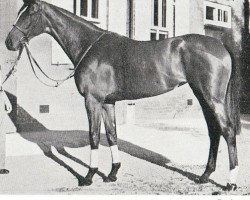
<point x="3" y="116"/>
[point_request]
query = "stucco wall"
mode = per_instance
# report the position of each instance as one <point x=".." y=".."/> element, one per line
<point x="66" y="106"/>
<point x="142" y="22"/>
<point x="182" y="17"/>
<point x="117" y="16"/>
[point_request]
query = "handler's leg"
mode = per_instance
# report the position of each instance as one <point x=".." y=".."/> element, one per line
<point x="108" y="114"/>
<point x="2" y="145"/>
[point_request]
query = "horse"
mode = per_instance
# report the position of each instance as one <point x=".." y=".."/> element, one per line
<point x="110" y="68"/>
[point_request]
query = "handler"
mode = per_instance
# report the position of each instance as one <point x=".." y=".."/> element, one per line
<point x="5" y="107"/>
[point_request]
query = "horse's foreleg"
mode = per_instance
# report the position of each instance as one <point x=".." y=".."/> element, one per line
<point x="94" y="110"/>
<point x="108" y="114"/>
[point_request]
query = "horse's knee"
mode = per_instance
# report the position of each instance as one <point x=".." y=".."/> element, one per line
<point x="112" y="138"/>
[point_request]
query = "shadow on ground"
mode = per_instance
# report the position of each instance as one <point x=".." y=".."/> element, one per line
<point x="46" y="139"/>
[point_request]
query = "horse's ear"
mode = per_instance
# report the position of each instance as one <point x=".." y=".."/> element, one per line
<point x="27" y="2"/>
<point x="34" y="7"/>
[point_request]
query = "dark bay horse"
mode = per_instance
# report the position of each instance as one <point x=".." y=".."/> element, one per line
<point x="117" y="68"/>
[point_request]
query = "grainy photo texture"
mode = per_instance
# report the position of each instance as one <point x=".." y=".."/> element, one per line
<point x="125" y="97"/>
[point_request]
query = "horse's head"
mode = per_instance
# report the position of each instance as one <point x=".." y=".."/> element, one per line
<point x="28" y="25"/>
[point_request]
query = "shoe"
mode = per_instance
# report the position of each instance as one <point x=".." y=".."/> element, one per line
<point x="4" y="171"/>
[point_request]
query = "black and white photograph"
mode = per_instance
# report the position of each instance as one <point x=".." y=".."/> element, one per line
<point x="125" y="97"/>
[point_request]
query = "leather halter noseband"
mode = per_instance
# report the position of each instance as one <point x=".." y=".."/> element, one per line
<point x="26" y="33"/>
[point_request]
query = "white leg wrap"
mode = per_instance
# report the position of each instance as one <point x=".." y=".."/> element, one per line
<point x="94" y="158"/>
<point x="234" y="174"/>
<point x="115" y="154"/>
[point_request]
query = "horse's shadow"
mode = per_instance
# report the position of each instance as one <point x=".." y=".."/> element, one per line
<point x="46" y="139"/>
<point x="75" y="139"/>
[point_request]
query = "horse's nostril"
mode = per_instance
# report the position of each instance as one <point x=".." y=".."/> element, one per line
<point x="8" y="43"/>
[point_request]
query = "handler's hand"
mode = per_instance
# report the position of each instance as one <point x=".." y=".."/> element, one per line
<point x="8" y="107"/>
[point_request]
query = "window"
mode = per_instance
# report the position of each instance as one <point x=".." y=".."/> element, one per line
<point x="210" y="13"/>
<point x="217" y="14"/>
<point x="89" y="9"/>
<point x="84" y="8"/>
<point x="222" y="15"/>
<point x="164" y="13"/>
<point x="158" y="35"/>
<point x="153" y="36"/>
<point x="94" y="13"/>
<point x="155" y="12"/>
<point x="159" y="20"/>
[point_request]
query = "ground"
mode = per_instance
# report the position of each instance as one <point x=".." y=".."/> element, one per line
<point x="158" y="158"/>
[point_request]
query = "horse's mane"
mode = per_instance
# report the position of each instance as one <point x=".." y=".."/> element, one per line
<point x="22" y="8"/>
<point x="73" y="16"/>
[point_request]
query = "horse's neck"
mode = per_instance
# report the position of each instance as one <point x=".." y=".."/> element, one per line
<point x="72" y="33"/>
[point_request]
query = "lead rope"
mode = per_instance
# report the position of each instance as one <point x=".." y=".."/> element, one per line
<point x="58" y="81"/>
<point x="13" y="68"/>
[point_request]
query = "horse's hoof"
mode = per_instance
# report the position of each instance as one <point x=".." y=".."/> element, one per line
<point x="231" y="187"/>
<point x="110" y="179"/>
<point x="4" y="171"/>
<point x="202" y="180"/>
<point x="84" y="182"/>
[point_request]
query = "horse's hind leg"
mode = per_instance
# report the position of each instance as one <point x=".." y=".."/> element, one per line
<point x="108" y="114"/>
<point x="219" y="123"/>
<point x="230" y="138"/>
<point x="214" y="131"/>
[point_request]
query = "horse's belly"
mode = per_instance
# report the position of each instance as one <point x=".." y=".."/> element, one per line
<point x="150" y="90"/>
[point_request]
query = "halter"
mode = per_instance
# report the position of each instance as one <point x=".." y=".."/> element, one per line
<point x="26" y="33"/>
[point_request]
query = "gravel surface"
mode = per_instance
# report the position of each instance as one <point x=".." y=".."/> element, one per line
<point x="156" y="159"/>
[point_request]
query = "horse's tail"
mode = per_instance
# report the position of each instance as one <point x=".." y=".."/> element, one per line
<point x="233" y="96"/>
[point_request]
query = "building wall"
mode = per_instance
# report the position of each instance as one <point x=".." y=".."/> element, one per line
<point x="196" y="12"/>
<point x="117" y="16"/>
<point x="66" y="106"/>
<point x="182" y="17"/>
<point x="64" y="102"/>
<point x="190" y="19"/>
<point x="142" y="21"/>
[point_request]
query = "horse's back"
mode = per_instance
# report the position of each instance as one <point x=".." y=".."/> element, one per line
<point x="206" y="44"/>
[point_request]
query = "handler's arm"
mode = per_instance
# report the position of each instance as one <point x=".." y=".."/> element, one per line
<point x="7" y="103"/>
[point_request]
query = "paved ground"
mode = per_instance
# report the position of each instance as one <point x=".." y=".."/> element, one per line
<point x="160" y="158"/>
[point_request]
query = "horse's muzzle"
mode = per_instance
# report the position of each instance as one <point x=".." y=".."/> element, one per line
<point x="10" y="46"/>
